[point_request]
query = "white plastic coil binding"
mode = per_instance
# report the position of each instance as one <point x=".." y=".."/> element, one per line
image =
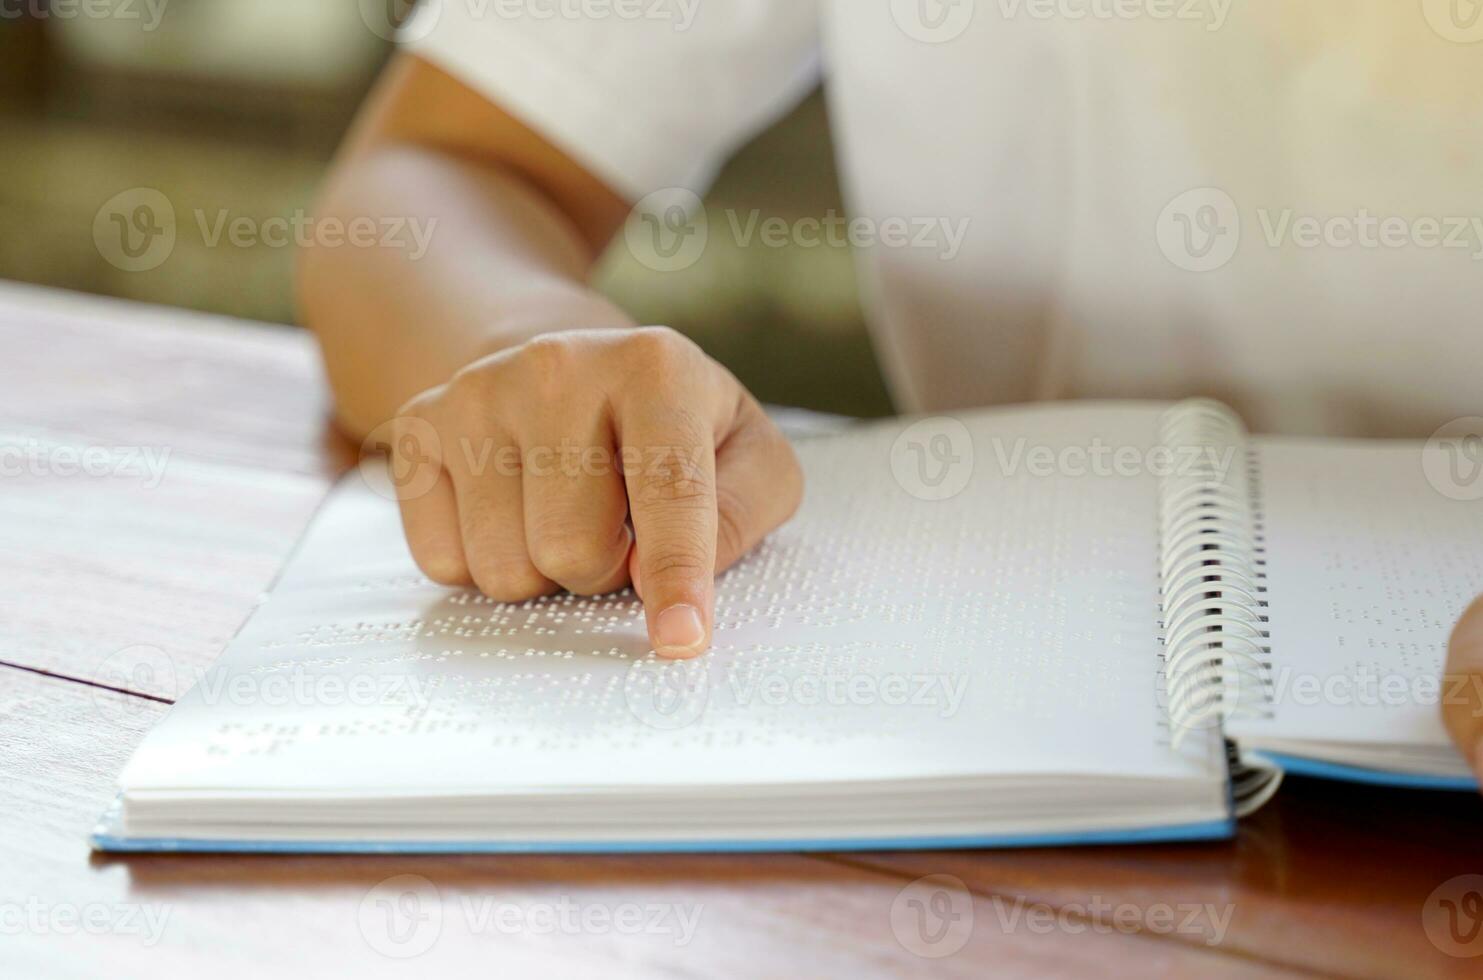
<point x="1217" y="661"/>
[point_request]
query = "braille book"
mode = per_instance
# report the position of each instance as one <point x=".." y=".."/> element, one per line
<point x="1057" y="624"/>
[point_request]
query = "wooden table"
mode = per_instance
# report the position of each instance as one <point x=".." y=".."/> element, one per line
<point x="1329" y="879"/>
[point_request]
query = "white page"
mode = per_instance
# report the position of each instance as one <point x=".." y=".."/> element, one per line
<point x="1015" y="620"/>
<point x="1368" y="567"/>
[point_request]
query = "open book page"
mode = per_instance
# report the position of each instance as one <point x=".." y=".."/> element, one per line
<point x="1370" y="561"/>
<point x="975" y="597"/>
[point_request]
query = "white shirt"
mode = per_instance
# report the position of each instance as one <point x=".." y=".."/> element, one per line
<point x="1277" y="204"/>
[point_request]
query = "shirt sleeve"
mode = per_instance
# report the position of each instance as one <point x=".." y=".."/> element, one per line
<point x="647" y="94"/>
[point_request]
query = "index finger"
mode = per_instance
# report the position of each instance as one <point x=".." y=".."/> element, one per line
<point x="669" y="470"/>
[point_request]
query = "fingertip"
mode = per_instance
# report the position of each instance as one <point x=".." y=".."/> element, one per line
<point x="679" y="632"/>
<point x="671" y="653"/>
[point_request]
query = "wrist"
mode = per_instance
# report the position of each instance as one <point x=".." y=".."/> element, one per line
<point x="523" y="318"/>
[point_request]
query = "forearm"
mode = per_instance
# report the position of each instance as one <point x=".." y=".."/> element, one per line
<point x="498" y="263"/>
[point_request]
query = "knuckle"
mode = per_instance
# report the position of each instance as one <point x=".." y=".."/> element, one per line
<point x="676" y="562"/>
<point x="508" y="580"/>
<point x="443" y="568"/>
<point x="659" y="346"/>
<point x="572" y="558"/>
<point x="677" y="485"/>
<point x="677" y="474"/>
<point x="467" y="384"/>
<point x="422" y="405"/>
<point x="466" y="402"/>
<point x="547" y="362"/>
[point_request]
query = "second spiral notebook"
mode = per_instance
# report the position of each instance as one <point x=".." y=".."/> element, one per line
<point x="1060" y="624"/>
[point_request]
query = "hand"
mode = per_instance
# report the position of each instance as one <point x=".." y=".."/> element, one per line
<point x="1462" y="686"/>
<point x="586" y="460"/>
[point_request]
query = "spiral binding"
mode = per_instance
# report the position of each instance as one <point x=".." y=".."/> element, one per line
<point x="1217" y="661"/>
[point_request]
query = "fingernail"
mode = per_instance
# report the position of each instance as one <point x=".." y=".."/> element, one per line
<point x="679" y="632"/>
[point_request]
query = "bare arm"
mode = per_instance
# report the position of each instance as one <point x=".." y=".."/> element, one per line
<point x="575" y="450"/>
<point x="514" y="228"/>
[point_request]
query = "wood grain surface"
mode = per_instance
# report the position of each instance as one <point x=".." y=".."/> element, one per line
<point x="1329" y="880"/>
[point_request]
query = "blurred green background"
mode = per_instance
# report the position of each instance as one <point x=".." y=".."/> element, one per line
<point x="237" y="105"/>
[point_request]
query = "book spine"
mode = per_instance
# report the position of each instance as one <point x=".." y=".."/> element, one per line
<point x="1217" y="658"/>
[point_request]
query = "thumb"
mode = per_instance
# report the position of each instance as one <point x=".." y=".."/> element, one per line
<point x="1462" y="686"/>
